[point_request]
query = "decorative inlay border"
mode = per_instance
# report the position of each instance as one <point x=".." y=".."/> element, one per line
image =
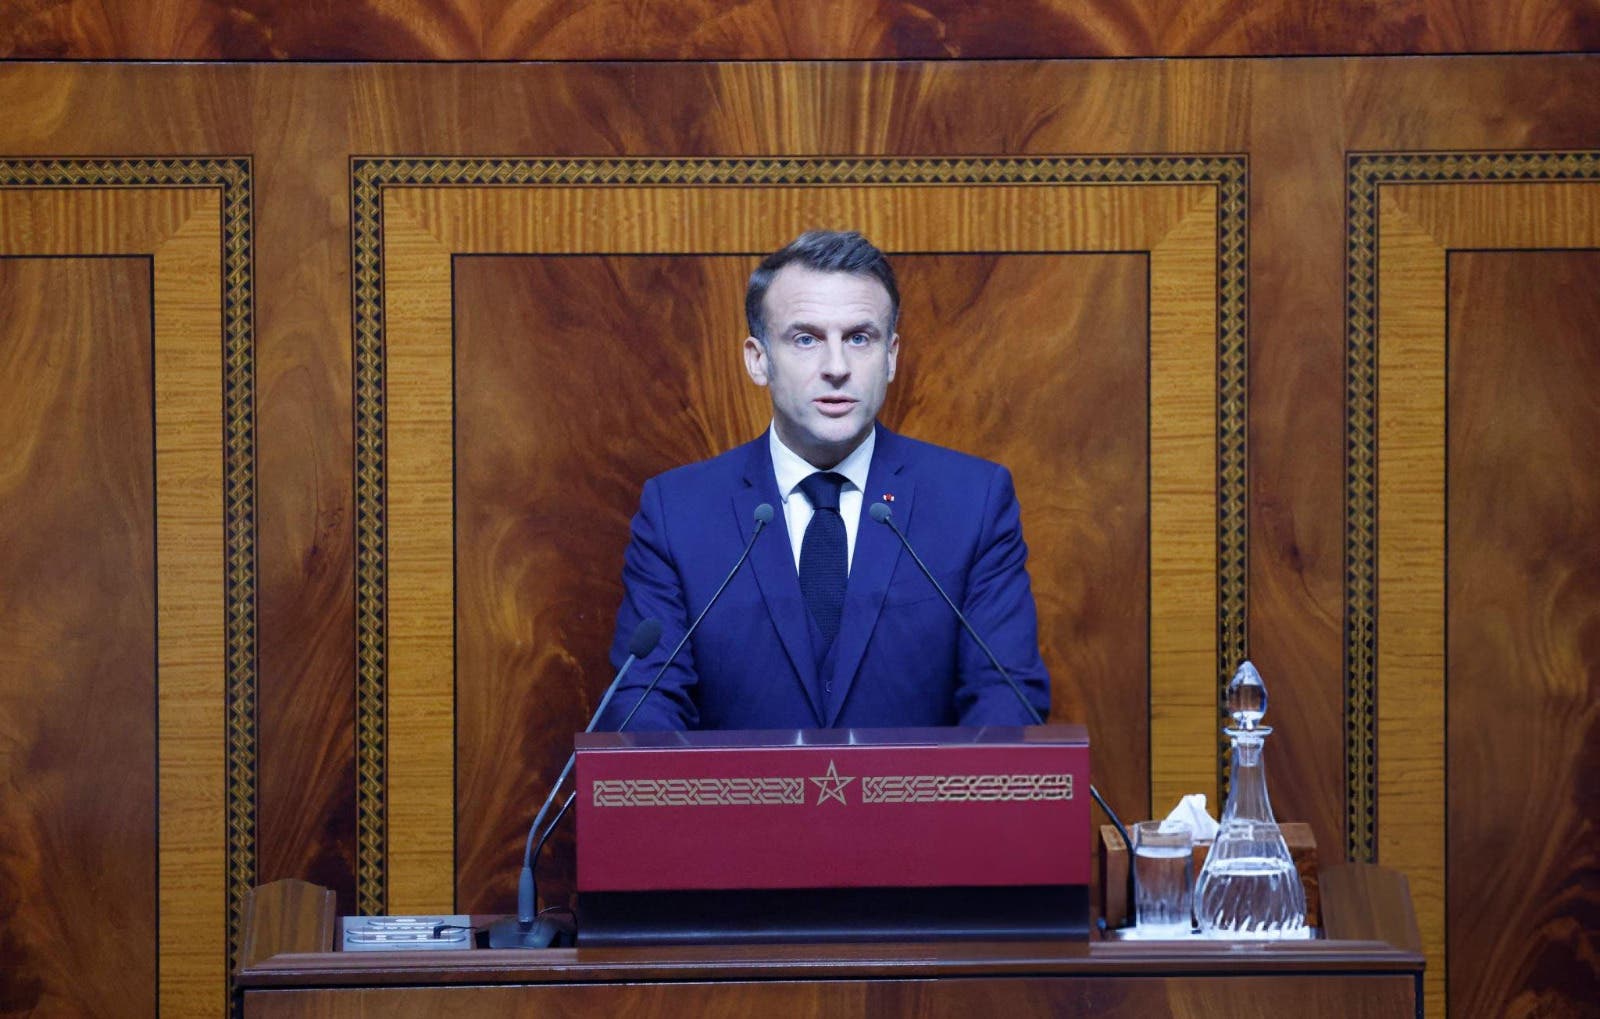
<point x="966" y="788"/>
<point x="369" y="177"/>
<point x="233" y="177"/>
<point x="1366" y="173"/>
<point x="699" y="792"/>
<point x="783" y="791"/>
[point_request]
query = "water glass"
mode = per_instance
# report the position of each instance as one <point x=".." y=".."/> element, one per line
<point x="1163" y="878"/>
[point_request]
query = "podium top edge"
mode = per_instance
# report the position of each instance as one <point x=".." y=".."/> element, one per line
<point x="746" y="739"/>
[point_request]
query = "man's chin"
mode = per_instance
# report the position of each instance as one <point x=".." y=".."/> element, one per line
<point x="841" y="442"/>
<point x="825" y="446"/>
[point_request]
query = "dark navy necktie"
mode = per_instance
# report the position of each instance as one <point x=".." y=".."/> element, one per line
<point x="824" y="554"/>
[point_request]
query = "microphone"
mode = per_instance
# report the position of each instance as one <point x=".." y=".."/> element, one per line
<point x="763" y="517"/>
<point x="523" y="932"/>
<point x="882" y="514"/>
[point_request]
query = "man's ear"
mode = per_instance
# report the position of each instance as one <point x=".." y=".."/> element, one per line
<point x="894" y="354"/>
<point x="756" y="364"/>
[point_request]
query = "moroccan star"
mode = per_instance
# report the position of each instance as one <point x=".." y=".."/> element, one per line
<point x="830" y="786"/>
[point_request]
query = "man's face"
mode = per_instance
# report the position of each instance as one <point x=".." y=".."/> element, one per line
<point x="828" y="359"/>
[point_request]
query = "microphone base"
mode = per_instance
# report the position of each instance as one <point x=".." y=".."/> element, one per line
<point x="544" y="932"/>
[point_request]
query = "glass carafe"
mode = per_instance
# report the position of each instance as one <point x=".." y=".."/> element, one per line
<point x="1249" y="887"/>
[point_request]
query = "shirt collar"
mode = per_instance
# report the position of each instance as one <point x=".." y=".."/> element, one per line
<point x="790" y="468"/>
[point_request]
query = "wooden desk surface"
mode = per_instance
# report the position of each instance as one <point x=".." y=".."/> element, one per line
<point x="1340" y="977"/>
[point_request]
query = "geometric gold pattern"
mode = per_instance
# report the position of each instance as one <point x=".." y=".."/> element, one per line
<point x="699" y="792"/>
<point x="877" y="789"/>
<point x="966" y="788"/>
<point x="1198" y="290"/>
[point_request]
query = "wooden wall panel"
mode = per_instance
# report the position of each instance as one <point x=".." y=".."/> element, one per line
<point x="1400" y="429"/>
<point x="306" y="707"/>
<point x="549" y="451"/>
<point x="1297" y="413"/>
<point x="1522" y="658"/>
<point x="1295" y="121"/>
<point x="189" y="222"/>
<point x="78" y="819"/>
<point x="412" y="828"/>
<point x="782" y="29"/>
<point x="988" y="342"/>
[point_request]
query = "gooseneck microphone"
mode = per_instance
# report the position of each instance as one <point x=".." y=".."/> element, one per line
<point x="523" y="932"/>
<point x="883" y="515"/>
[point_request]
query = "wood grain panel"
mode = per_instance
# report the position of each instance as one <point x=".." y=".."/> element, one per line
<point x="423" y="227"/>
<point x="1523" y="658"/>
<point x="1055" y="340"/>
<point x="191" y="570"/>
<point x="576" y="378"/>
<point x="551" y="449"/>
<point x="1192" y="643"/>
<point x="306" y="602"/>
<point x="70" y="221"/>
<point x="1417" y="225"/>
<point x="779" y="29"/>
<point x="202" y="611"/>
<point x="418" y="710"/>
<point x="746" y="218"/>
<point x="1296" y="448"/>
<point x="1118" y="998"/>
<point x="78" y="662"/>
<point x="1410" y="583"/>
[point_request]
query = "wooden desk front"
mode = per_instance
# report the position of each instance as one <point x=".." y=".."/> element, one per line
<point x="1370" y="966"/>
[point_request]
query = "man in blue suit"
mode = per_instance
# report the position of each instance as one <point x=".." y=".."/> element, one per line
<point x="830" y="623"/>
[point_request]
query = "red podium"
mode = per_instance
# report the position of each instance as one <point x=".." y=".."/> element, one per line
<point x="829" y="835"/>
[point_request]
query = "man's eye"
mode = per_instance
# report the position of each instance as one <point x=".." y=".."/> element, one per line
<point x="804" y="340"/>
<point x="859" y="339"/>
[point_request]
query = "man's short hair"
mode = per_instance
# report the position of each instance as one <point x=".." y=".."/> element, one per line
<point x="820" y="251"/>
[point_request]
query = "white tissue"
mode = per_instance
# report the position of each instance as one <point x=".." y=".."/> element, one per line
<point x="1191" y="810"/>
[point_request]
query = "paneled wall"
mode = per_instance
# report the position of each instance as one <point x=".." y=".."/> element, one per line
<point x="327" y="392"/>
<point x="784" y="29"/>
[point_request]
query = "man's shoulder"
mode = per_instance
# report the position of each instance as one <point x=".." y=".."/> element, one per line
<point x="697" y="476"/>
<point x="939" y="460"/>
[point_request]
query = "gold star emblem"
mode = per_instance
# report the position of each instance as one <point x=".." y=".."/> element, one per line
<point x="830" y="786"/>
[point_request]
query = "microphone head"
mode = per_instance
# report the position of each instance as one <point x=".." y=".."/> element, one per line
<point x="879" y="511"/>
<point x="764" y="513"/>
<point x="645" y="637"/>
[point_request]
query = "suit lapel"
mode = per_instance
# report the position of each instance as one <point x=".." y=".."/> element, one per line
<point x="772" y="559"/>
<point x="877" y="551"/>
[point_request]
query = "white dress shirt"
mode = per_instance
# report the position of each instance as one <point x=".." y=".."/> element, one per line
<point x="791" y="469"/>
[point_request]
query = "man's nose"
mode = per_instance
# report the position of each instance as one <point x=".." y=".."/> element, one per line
<point x="834" y="363"/>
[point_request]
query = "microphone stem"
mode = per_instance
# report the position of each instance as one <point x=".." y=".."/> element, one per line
<point x="526" y="909"/>
<point x="611" y="691"/>
<point x="566" y="769"/>
<point x="694" y="625"/>
<point x="962" y="619"/>
<point x="550" y="830"/>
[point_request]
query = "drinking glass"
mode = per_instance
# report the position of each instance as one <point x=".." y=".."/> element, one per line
<point x="1163" y="878"/>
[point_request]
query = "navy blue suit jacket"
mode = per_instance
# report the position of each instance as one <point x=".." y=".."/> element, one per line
<point x="900" y="657"/>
